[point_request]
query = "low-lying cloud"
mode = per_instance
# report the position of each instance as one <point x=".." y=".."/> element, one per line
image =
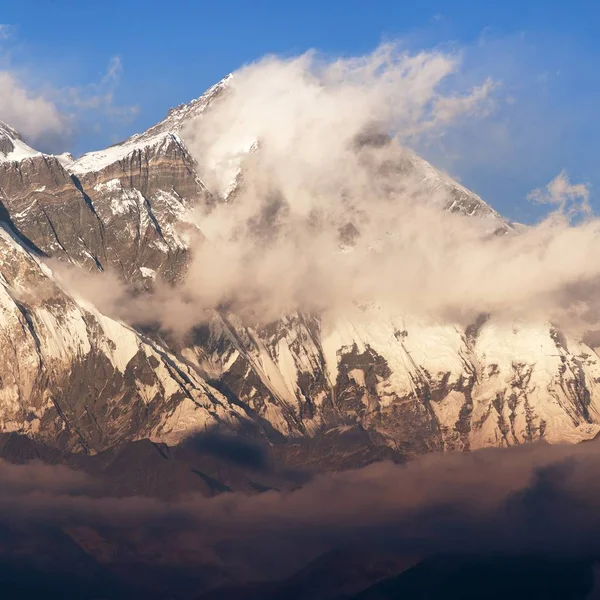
<point x="536" y="498"/>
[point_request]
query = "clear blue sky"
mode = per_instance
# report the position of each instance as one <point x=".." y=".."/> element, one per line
<point x="546" y="53"/>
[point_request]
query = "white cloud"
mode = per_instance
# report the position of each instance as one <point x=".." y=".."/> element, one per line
<point x="34" y="115"/>
<point x="5" y="31"/>
<point x="566" y="196"/>
<point x="277" y="245"/>
<point x="476" y="103"/>
<point x="113" y="72"/>
<point x="49" y="117"/>
<point x="98" y="96"/>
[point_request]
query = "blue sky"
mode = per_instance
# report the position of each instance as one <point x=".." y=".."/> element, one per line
<point x="117" y="67"/>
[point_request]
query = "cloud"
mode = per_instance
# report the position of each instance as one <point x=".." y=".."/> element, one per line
<point x="311" y="174"/>
<point x="332" y="210"/>
<point x="535" y="498"/>
<point x="566" y="196"/>
<point x="6" y="31"/>
<point x="474" y="104"/>
<point x="33" y="114"/>
<point x="38" y="476"/>
<point x="98" y="96"/>
<point x="114" y="71"/>
<point x="310" y="97"/>
<point x="49" y="117"/>
<point x="319" y="165"/>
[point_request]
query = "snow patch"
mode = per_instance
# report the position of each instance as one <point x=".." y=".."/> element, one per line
<point x="99" y="160"/>
<point x="20" y="151"/>
<point x="110" y="186"/>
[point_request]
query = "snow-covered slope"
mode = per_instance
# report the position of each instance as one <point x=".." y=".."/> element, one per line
<point x="80" y="379"/>
<point x="460" y="199"/>
<point x="155" y="136"/>
<point x="12" y="147"/>
<point x="414" y="385"/>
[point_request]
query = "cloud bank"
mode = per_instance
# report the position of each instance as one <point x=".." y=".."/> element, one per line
<point x="320" y="205"/>
<point x="536" y="498"/>
<point x="331" y="210"/>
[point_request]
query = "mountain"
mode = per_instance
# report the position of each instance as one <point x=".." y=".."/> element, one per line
<point x="81" y="380"/>
<point x="464" y="577"/>
<point x="338" y="574"/>
<point x="344" y="575"/>
<point x="75" y="376"/>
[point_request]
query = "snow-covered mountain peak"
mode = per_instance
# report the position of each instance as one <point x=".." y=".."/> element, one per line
<point x="460" y="199"/>
<point x="100" y="159"/>
<point x="183" y="113"/>
<point x="7" y="131"/>
<point x="164" y="132"/>
<point x="12" y="146"/>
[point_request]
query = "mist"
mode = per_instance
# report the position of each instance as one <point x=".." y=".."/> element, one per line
<point x="320" y="205"/>
<point x="538" y="498"/>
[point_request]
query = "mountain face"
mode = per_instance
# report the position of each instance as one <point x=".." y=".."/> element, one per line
<point x="344" y="576"/>
<point x="75" y="376"/>
<point x="83" y="381"/>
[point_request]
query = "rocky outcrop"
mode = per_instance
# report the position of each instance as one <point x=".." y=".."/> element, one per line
<point x="43" y="205"/>
<point x="141" y="201"/>
<point x="127" y="216"/>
